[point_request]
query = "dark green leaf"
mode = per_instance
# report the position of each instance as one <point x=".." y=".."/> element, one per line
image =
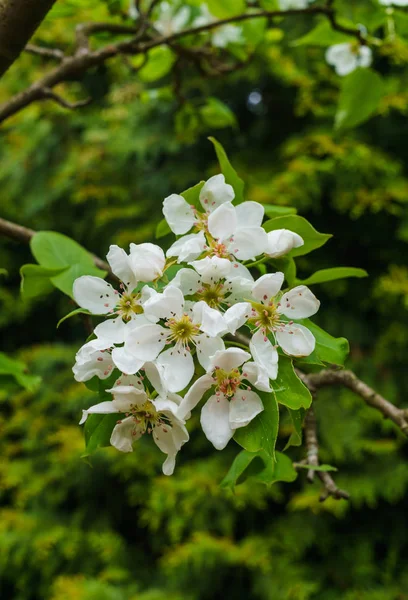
<point x="328" y="348"/>
<point x="228" y="171"/>
<point x="269" y="472"/>
<point x="325" y="275"/>
<point x="98" y="430"/>
<point x="262" y="432"/>
<point x="65" y="280"/>
<point x="312" y="238"/>
<point x="55" y="250"/>
<point x="192" y="195"/>
<point x="360" y="95"/>
<point x="290" y="391"/>
<point x="18" y="370"/>
<point x="296" y="417"/>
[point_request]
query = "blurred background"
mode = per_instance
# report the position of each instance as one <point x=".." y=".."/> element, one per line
<point x="112" y="527"/>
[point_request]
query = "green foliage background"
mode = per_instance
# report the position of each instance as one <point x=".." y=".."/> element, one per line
<point x="112" y="527"/>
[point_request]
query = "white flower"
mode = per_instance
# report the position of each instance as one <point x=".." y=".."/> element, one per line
<point x="220" y="36"/>
<point x="293" y="4"/>
<point x="234" y="404"/>
<point x="144" y="263"/>
<point x="268" y="307"/>
<point x="346" y="57"/>
<point x="182" y="328"/>
<point x="282" y="241"/>
<point x="394" y="2"/>
<point x="93" y="358"/>
<point x="133" y="13"/>
<point x="170" y="21"/>
<point x="157" y="417"/>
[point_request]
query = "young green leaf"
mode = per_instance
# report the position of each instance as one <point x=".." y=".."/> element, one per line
<point x="36" y="280"/>
<point x="54" y="250"/>
<point x="290" y="391"/>
<point x="323" y="35"/>
<point x="328" y="348"/>
<point x="217" y="115"/>
<point x="77" y="311"/>
<point x="262" y="432"/>
<point x="228" y="171"/>
<point x="159" y="62"/>
<point x="18" y="370"/>
<point x="267" y="472"/>
<point x="296" y="417"/>
<point x="274" y="210"/>
<point x="192" y="195"/>
<point x="333" y="274"/>
<point x="360" y="95"/>
<point x="312" y="238"/>
<point x="98" y="430"/>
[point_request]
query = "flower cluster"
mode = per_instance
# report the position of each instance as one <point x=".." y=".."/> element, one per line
<point x="169" y="331"/>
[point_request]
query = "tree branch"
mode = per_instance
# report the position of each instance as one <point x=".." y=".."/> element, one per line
<point x="18" y="21"/>
<point x="75" y="66"/>
<point x="49" y="94"/>
<point x="54" y="53"/>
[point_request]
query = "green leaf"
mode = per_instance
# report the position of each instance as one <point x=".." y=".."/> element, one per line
<point x="269" y="472"/>
<point x="290" y="391"/>
<point x="160" y="61"/>
<point x="226" y="8"/>
<point x="274" y="210"/>
<point x="162" y="229"/>
<point x="296" y="417"/>
<point x="360" y="95"/>
<point x="77" y="311"/>
<point x="18" y="370"/>
<point x="192" y="195"/>
<point x="4" y="272"/>
<point x="65" y="280"/>
<point x="325" y="275"/>
<point x="262" y="432"/>
<point x="328" y="348"/>
<point x="217" y="115"/>
<point x="312" y="238"/>
<point x="323" y="35"/>
<point x="36" y="280"/>
<point x="287" y="265"/>
<point x="55" y="250"/>
<point x="324" y="468"/>
<point x="98" y="430"/>
<point x="228" y="171"/>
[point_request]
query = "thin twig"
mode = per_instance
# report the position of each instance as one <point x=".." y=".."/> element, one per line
<point x="49" y="94"/>
<point x="54" y="53"/>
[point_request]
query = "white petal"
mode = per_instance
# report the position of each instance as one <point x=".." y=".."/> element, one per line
<point x="167" y="305"/>
<point x="229" y="359"/>
<point x="212" y="269"/>
<point x="125" y="397"/>
<point x="223" y="221"/>
<point x="282" y="241"/>
<point x="244" y="406"/>
<point x="147" y="261"/>
<point x="237" y="315"/>
<point x="178" y="368"/>
<point x="206" y="348"/>
<point x="299" y="303"/>
<point x="215" y="192"/>
<point x="125" y="361"/>
<point x="103" y="408"/>
<point x="248" y="243"/>
<point x="240" y="271"/>
<point x="189" y="247"/>
<point x="267" y="286"/>
<point x="124" y="434"/>
<point x="178" y="214"/>
<point x="90" y="361"/>
<point x="365" y="55"/>
<point x="250" y="214"/>
<point x="256" y="374"/>
<point x="111" y="330"/>
<point x="155" y="374"/>
<point x="337" y="53"/>
<point x="210" y="320"/>
<point x="146" y="342"/>
<point x="194" y="395"/>
<point x="265" y="354"/>
<point x="94" y="294"/>
<point x="238" y="289"/>
<point x="187" y="280"/>
<point x="129" y="380"/>
<point x="296" y="340"/>
<point x="120" y="264"/>
<point x="215" y="421"/>
<point x="170" y="439"/>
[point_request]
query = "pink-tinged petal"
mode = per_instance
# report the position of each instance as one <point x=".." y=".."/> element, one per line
<point x="206" y="347"/>
<point x="94" y="294"/>
<point x="299" y="303"/>
<point x="244" y="406"/>
<point x="237" y="315"/>
<point x="296" y="340"/>
<point x="250" y="214"/>
<point x="222" y="222"/>
<point x="92" y="360"/>
<point x="125" y="433"/>
<point x="248" y="243"/>
<point x="229" y="359"/>
<point x="146" y="342"/>
<point x="215" y="192"/>
<point x="178" y="368"/>
<point x="265" y="354"/>
<point x="129" y="380"/>
<point x="178" y="214"/>
<point x="120" y="264"/>
<point x="125" y="361"/>
<point x="111" y="330"/>
<point x="266" y="287"/>
<point x="215" y="421"/>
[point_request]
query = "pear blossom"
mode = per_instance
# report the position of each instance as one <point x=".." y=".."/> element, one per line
<point x="347" y="57"/>
<point x="394" y="2"/>
<point x="145" y="263"/>
<point x="293" y="4"/>
<point x="169" y="20"/>
<point x="93" y="358"/>
<point x="282" y="241"/>
<point x="234" y="403"/>
<point x="221" y="36"/>
<point x="183" y="328"/>
<point x="144" y="414"/>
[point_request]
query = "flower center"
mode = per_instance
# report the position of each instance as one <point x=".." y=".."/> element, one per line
<point x="128" y="305"/>
<point x="183" y="330"/>
<point x="265" y="316"/>
<point x="212" y="294"/>
<point x="227" y="382"/>
<point x="147" y="418"/>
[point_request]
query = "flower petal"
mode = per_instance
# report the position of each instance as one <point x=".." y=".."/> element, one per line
<point x="92" y="360"/>
<point x="265" y="354"/>
<point x="210" y="320"/>
<point x="244" y="406"/>
<point x="178" y="214"/>
<point x="170" y="438"/>
<point x="215" y="421"/>
<point x="125" y="361"/>
<point x="129" y="380"/>
<point x="167" y="305"/>
<point x="267" y="286"/>
<point x="103" y="408"/>
<point x="212" y="269"/>
<point x="189" y="247"/>
<point x="296" y="340"/>
<point x="111" y="330"/>
<point x="250" y="214"/>
<point x="237" y="315"/>
<point x="256" y="374"/>
<point x="194" y="395"/>
<point x="126" y="397"/>
<point x="238" y="289"/>
<point x="125" y="433"/>
<point x="187" y="280"/>
<point x="223" y="221"/>
<point x="155" y="374"/>
<point x="94" y="294"/>
<point x="299" y="303"/>
<point x="120" y="264"/>
<point x="178" y="368"/>
<point x="147" y="261"/>
<point x="229" y="359"/>
<point x="146" y="342"/>
<point x="282" y="241"/>
<point x="248" y="243"/>
<point x="206" y="348"/>
<point x="215" y="192"/>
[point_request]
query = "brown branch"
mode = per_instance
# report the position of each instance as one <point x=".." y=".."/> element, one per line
<point x="73" y="67"/>
<point x="312" y="446"/>
<point x="49" y="94"/>
<point x="54" y="53"/>
<point x="18" y="21"/>
<point x="23" y="234"/>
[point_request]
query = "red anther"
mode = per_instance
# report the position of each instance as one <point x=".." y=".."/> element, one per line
<point x="265" y="297"/>
<point x="265" y="339"/>
<point x="107" y="305"/>
<point x="100" y="358"/>
<point x="235" y="266"/>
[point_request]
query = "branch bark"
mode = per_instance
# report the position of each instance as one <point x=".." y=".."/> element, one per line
<point x="18" y="21"/>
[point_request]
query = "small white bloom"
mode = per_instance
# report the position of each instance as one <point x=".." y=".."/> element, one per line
<point x="171" y="21"/>
<point x="234" y="404"/>
<point x="347" y="57"/>
<point x="220" y="36"/>
<point x="394" y="2"/>
<point x="282" y="241"/>
<point x="179" y="215"/>
<point x="189" y="247"/>
<point x="93" y="358"/>
<point x="132" y="10"/>
<point x="157" y="417"/>
<point x="293" y="4"/>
